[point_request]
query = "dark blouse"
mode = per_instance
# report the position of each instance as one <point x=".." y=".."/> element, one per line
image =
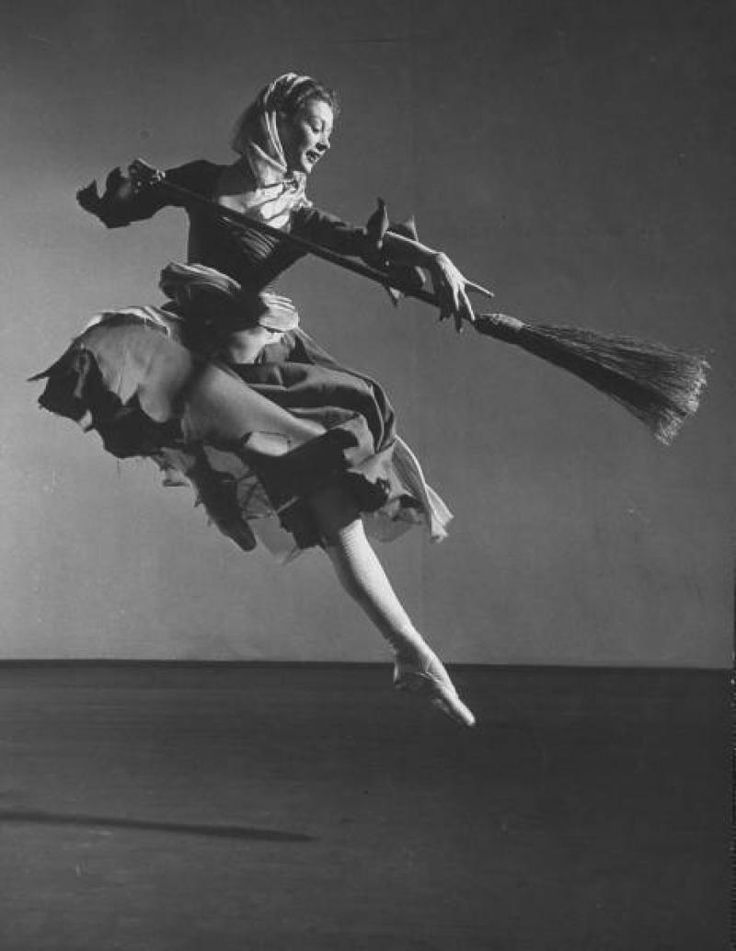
<point x="249" y="256"/>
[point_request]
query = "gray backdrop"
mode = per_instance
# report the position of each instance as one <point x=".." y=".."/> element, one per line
<point x="577" y="156"/>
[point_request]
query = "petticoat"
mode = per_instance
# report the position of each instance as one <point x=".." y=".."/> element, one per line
<point x="305" y="423"/>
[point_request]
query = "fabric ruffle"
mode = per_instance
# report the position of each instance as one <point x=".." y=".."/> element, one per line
<point x="303" y="422"/>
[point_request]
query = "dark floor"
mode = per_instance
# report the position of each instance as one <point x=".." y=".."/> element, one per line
<point x="309" y="808"/>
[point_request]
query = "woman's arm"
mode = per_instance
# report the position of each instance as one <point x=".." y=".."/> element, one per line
<point x="126" y="200"/>
<point x="392" y="248"/>
<point x="448" y="283"/>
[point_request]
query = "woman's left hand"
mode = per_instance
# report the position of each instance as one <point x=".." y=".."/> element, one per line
<point x="451" y="289"/>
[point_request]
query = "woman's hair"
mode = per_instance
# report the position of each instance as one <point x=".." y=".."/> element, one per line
<point x="287" y="93"/>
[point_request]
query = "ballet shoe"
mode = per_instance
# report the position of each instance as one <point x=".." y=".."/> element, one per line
<point x="427" y="677"/>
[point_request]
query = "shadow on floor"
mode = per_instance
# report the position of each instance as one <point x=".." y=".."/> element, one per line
<point x="37" y="817"/>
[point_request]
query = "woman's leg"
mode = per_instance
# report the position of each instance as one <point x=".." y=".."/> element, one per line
<point x="220" y="410"/>
<point x="361" y="574"/>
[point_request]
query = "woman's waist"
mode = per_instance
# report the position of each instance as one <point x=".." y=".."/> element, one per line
<point x="250" y="257"/>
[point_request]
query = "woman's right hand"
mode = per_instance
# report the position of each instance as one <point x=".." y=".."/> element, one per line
<point x="119" y="190"/>
<point x="127" y="197"/>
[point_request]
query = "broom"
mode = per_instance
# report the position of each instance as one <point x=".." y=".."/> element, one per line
<point x="659" y="385"/>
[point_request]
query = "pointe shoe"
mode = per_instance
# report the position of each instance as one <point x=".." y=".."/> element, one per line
<point x="427" y="677"/>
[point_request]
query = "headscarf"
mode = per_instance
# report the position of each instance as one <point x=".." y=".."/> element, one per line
<point x="278" y="192"/>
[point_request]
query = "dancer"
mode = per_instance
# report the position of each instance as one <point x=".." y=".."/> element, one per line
<point x="223" y="389"/>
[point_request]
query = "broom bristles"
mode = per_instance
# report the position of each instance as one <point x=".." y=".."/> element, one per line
<point x="659" y="385"/>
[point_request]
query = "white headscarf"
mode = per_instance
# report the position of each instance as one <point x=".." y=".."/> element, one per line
<point x="271" y="192"/>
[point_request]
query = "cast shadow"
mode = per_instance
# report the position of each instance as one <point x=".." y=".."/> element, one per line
<point x="38" y="817"/>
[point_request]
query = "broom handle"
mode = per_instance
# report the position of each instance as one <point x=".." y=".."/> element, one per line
<point x="147" y="174"/>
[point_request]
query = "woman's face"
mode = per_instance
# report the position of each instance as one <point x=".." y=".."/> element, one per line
<point x="305" y="136"/>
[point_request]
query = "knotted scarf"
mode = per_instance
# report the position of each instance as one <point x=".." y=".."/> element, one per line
<point x="261" y="185"/>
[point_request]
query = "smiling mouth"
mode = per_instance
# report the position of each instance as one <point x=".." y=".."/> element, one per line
<point x="313" y="156"/>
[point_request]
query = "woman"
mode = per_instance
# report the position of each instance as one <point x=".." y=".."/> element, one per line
<point x="223" y="389"/>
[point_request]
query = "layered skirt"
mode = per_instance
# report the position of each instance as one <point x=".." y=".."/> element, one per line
<point x="254" y="441"/>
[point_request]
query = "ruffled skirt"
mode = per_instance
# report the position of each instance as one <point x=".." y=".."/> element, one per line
<point x="254" y="441"/>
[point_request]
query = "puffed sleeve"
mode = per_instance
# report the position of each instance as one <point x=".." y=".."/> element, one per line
<point x="124" y="201"/>
<point x="331" y="232"/>
<point x="364" y="242"/>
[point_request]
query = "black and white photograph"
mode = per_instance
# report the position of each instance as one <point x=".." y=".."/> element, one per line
<point x="366" y="472"/>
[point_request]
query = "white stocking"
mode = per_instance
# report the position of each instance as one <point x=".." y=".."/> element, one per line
<point x="363" y="578"/>
<point x="361" y="574"/>
<point x="418" y="669"/>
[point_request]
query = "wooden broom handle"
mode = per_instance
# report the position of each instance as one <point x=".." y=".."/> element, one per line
<point x="144" y="174"/>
